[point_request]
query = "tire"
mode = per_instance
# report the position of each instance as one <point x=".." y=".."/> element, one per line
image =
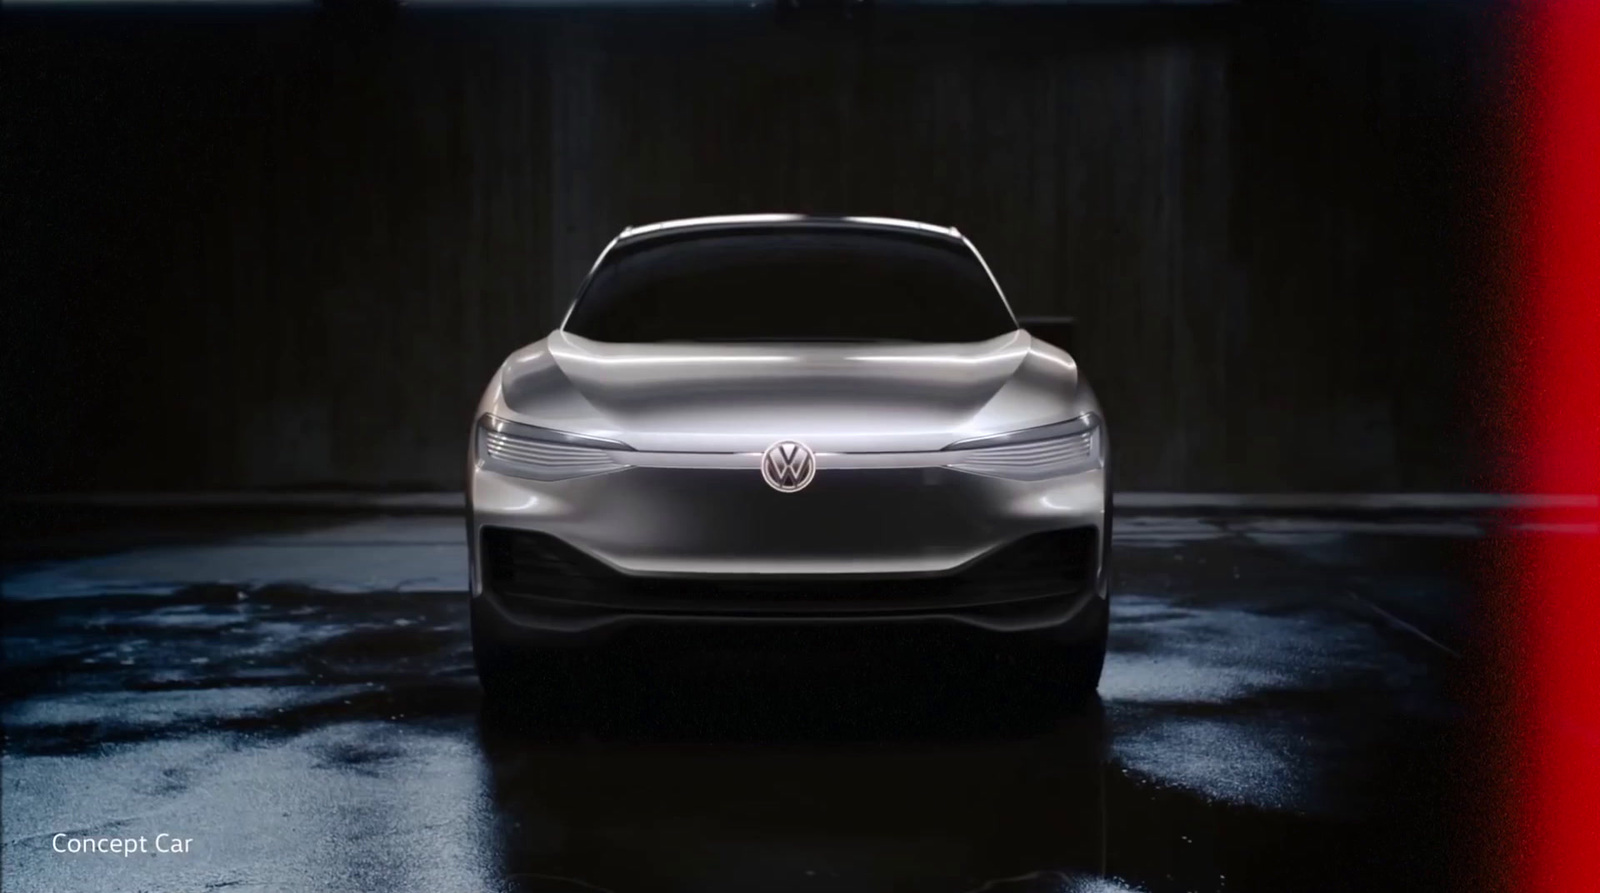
<point x="523" y="681"/>
<point x="498" y="670"/>
<point x="1092" y="659"/>
<point x="1069" y="677"/>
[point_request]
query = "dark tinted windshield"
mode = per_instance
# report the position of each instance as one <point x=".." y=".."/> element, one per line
<point x="791" y="286"/>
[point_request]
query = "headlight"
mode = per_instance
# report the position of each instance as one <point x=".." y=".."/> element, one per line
<point x="1035" y="454"/>
<point x="543" y="454"/>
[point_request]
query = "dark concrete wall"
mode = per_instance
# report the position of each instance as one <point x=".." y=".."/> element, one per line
<point x="268" y="250"/>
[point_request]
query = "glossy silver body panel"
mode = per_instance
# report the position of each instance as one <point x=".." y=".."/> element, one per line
<point x="847" y="398"/>
<point x="725" y="520"/>
<point x="689" y="500"/>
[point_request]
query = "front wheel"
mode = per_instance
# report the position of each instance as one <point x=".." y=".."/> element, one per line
<point x="1068" y="676"/>
<point x="519" y="679"/>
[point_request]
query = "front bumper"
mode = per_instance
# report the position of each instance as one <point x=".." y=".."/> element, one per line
<point x="886" y="545"/>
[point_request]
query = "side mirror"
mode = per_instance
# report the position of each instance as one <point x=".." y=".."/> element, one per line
<point x="1057" y="330"/>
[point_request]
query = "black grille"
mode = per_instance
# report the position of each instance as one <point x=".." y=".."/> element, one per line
<point x="538" y="571"/>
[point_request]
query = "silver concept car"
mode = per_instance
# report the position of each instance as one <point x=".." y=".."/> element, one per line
<point x="782" y="419"/>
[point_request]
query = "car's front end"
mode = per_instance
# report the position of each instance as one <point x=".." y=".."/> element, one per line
<point x="619" y="485"/>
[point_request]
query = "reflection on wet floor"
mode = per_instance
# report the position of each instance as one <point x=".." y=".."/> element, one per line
<point x="1272" y="718"/>
<point x="868" y="805"/>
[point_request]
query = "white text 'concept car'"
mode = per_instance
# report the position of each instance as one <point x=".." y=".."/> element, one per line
<point x="781" y="421"/>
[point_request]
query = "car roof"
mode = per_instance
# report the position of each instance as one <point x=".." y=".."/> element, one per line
<point x="688" y="227"/>
<point x="770" y="222"/>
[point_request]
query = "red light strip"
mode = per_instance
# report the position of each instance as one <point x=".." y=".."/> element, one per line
<point x="1557" y="369"/>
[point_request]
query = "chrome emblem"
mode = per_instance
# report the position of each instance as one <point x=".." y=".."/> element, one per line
<point x="788" y="466"/>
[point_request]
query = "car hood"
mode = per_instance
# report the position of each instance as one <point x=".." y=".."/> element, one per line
<point x="744" y="397"/>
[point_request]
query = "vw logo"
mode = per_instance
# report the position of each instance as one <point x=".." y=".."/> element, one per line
<point x="788" y="466"/>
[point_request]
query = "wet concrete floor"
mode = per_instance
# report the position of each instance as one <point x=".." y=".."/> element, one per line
<point x="294" y="697"/>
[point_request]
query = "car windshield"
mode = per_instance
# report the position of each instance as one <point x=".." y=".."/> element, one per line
<point x="791" y="286"/>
